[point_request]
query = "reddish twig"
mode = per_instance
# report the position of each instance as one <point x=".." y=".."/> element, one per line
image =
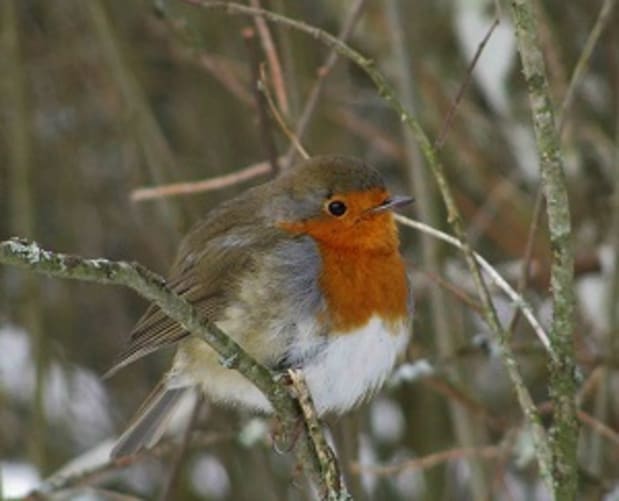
<point x="281" y="121"/>
<point x="312" y="100"/>
<point x="216" y="183"/>
<point x="217" y="67"/>
<point x="599" y="427"/>
<point x="265" y="125"/>
<point x="431" y="460"/>
<point x="446" y="388"/>
<point x="528" y="254"/>
<point x="275" y="67"/>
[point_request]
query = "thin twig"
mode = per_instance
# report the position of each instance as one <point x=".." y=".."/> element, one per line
<point x="528" y="255"/>
<point x="265" y="125"/>
<point x="431" y="460"/>
<point x="214" y="183"/>
<point x="91" y="474"/>
<point x="352" y="16"/>
<point x="583" y="60"/>
<point x="292" y="137"/>
<point x="169" y="492"/>
<point x="599" y="427"/>
<point x="226" y="77"/>
<point x="590" y="384"/>
<point x="275" y="67"/>
<point x="494" y="275"/>
<point x="454" y="290"/>
<point x="440" y="140"/>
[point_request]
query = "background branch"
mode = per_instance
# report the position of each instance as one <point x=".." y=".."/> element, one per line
<point x="564" y="436"/>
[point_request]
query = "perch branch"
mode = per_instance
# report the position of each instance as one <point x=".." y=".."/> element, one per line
<point x="29" y="255"/>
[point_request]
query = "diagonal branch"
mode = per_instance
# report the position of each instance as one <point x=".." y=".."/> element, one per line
<point x="29" y="255"/>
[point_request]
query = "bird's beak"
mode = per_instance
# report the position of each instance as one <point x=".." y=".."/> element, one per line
<point x="392" y="203"/>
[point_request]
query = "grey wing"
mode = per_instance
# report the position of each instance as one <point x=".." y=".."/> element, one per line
<point x="156" y="330"/>
<point x="205" y="281"/>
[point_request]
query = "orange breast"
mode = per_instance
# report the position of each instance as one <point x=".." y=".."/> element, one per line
<point x="358" y="285"/>
<point x="363" y="273"/>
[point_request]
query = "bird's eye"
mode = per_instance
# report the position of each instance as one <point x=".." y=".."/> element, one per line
<point x="337" y="208"/>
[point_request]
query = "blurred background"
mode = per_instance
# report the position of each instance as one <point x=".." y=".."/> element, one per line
<point x="101" y="98"/>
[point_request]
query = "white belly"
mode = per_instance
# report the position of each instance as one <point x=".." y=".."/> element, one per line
<point x="354" y="365"/>
<point x="347" y="368"/>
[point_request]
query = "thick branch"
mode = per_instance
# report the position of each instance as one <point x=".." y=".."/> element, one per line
<point x="562" y="381"/>
<point x="29" y="255"/>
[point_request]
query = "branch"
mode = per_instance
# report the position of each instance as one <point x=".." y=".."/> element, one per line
<point x="431" y="460"/>
<point x="91" y="473"/>
<point x="275" y="68"/>
<point x="214" y="183"/>
<point x="583" y="60"/>
<point x="348" y="25"/>
<point x="29" y="255"/>
<point x="564" y="435"/>
<point x="266" y="131"/>
<point x="518" y="300"/>
<point x="328" y="464"/>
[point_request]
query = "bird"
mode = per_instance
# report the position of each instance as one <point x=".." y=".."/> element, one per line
<point x="303" y="272"/>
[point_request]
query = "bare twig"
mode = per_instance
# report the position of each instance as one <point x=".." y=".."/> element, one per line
<point x="500" y="282"/>
<point x="215" y="183"/>
<point x="218" y="68"/>
<point x="431" y="460"/>
<point x="156" y="150"/>
<point x="275" y="67"/>
<point x="292" y="137"/>
<point x="454" y="290"/>
<point x="265" y="125"/>
<point x="599" y="427"/>
<point x="169" y="491"/>
<point x="523" y="280"/>
<point x="583" y="60"/>
<point x="440" y="140"/>
<point x="352" y="16"/>
<point x="90" y="475"/>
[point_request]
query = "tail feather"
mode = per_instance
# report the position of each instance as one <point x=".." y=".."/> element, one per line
<point x="149" y="422"/>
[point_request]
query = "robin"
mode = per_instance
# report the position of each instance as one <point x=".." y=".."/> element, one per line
<point x="303" y="272"/>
